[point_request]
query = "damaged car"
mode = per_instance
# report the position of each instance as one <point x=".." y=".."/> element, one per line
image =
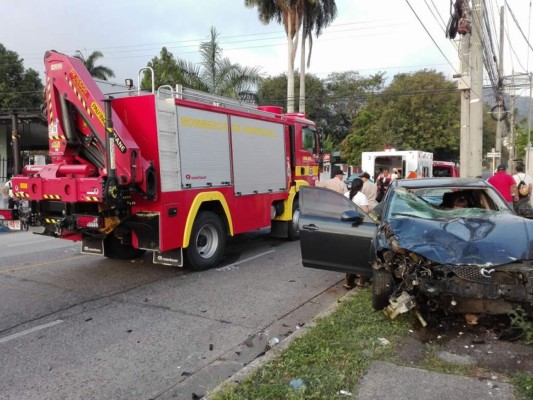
<point x="451" y="245"/>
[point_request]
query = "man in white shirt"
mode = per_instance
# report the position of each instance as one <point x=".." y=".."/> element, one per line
<point x="369" y="189"/>
<point x="336" y="183"/>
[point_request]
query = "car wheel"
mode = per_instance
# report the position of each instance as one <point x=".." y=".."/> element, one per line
<point x="207" y="243"/>
<point x="114" y="248"/>
<point x="381" y="288"/>
<point x="294" y="230"/>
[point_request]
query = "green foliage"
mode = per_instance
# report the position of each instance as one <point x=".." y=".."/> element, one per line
<point x="97" y="71"/>
<point x="347" y="93"/>
<point x="273" y="91"/>
<point x="215" y="74"/>
<point x="519" y="319"/>
<point x="20" y="89"/>
<point x="418" y="110"/>
<point x="524" y="385"/>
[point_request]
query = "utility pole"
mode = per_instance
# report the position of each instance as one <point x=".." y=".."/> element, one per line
<point x="464" y="87"/>
<point x="476" y="92"/>
<point x="471" y="85"/>
<point x="501" y="111"/>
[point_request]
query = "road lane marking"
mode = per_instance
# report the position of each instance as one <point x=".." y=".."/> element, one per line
<point x="27" y="331"/>
<point x="32" y="242"/>
<point x="229" y="267"/>
<point x="3" y="271"/>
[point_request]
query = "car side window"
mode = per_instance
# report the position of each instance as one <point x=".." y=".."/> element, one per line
<point x="325" y="203"/>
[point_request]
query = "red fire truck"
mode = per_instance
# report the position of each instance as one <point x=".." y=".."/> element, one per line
<point x="173" y="171"/>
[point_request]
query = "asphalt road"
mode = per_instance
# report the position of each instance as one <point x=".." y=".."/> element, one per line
<point x="74" y="326"/>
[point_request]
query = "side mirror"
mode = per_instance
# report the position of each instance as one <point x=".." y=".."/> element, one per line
<point x="352" y="216"/>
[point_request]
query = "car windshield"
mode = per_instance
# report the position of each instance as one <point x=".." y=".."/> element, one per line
<point x="445" y="203"/>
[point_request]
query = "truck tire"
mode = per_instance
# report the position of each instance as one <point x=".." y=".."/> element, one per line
<point x="294" y="230"/>
<point x="115" y="249"/>
<point x="381" y="288"/>
<point x="207" y="243"/>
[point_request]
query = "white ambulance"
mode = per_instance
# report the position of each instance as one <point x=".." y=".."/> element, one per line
<point x="407" y="163"/>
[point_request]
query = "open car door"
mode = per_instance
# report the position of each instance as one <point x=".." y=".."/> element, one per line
<point x="334" y="233"/>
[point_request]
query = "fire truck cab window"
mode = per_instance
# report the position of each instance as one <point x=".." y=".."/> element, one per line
<point x="308" y="139"/>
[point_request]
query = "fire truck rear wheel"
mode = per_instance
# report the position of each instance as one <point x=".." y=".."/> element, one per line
<point x="208" y="240"/>
<point x="294" y="231"/>
<point x="113" y="248"/>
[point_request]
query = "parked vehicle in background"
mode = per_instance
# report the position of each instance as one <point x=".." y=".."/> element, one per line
<point x="446" y="169"/>
<point x="350" y="179"/>
<point x="408" y="163"/>
<point x="421" y="250"/>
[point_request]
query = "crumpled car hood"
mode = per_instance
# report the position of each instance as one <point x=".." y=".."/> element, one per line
<point x="497" y="240"/>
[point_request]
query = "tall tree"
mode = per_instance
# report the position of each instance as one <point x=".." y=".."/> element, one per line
<point x="214" y="74"/>
<point x="418" y="110"/>
<point x="20" y="89"/>
<point x="317" y="15"/>
<point x="290" y="14"/>
<point x="96" y="71"/>
<point x="347" y="93"/>
<point x="273" y="90"/>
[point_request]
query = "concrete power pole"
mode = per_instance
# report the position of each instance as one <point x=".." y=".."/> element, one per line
<point x="464" y="87"/>
<point x="501" y="111"/>
<point x="471" y="85"/>
<point x="476" y="93"/>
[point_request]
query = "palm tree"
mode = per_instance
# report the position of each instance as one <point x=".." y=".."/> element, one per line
<point x="220" y="75"/>
<point x="214" y="74"/>
<point x="318" y="14"/>
<point x="290" y="14"/>
<point x="96" y="71"/>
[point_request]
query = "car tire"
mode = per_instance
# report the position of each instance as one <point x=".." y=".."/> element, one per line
<point x="115" y="249"/>
<point x="294" y="230"/>
<point x="381" y="288"/>
<point x="207" y="243"/>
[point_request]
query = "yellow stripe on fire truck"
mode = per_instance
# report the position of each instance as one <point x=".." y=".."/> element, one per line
<point x="21" y="194"/>
<point x="79" y="96"/>
<point x="52" y="196"/>
<point x="51" y="220"/>
<point x="49" y="101"/>
<point x="91" y="198"/>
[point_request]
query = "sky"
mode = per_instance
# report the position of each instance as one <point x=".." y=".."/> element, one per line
<point x="392" y="36"/>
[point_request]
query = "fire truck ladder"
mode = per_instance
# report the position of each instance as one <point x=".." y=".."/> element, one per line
<point x="184" y="93"/>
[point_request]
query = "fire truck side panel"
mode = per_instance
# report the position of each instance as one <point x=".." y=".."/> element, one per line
<point x="204" y="149"/>
<point x="190" y="146"/>
<point x="259" y="164"/>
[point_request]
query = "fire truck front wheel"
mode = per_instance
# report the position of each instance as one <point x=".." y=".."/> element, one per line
<point x="294" y="231"/>
<point x="208" y="240"/>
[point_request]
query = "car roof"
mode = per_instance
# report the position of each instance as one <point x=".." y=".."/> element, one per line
<point x="419" y="183"/>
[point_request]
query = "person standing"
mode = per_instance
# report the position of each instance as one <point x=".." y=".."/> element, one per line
<point x="336" y="183"/>
<point x="369" y="189"/>
<point x="383" y="182"/>
<point x="357" y="196"/>
<point x="524" y="185"/>
<point x="505" y="184"/>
